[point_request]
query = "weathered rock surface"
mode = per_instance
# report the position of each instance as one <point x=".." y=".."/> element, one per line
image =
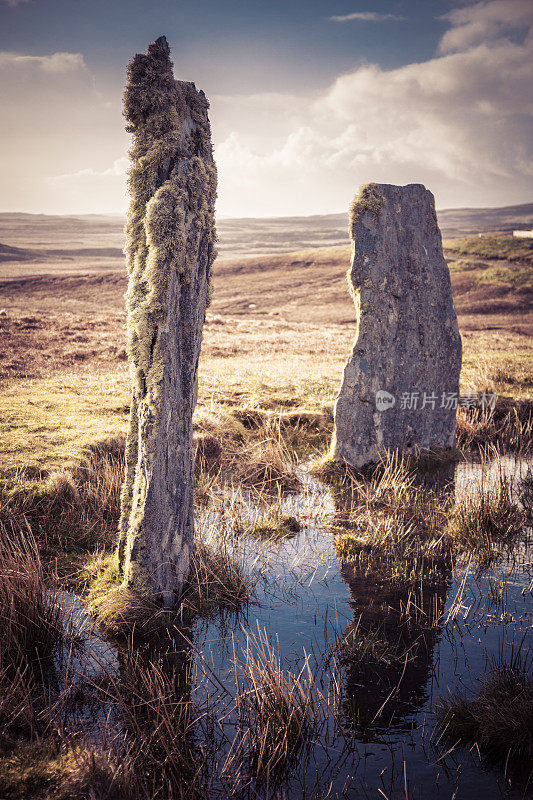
<point x="170" y="249"/>
<point x="407" y="343"/>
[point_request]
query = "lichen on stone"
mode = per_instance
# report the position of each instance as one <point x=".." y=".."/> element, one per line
<point x="169" y="232"/>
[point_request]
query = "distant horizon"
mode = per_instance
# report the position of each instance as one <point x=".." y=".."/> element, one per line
<point x="123" y="215"/>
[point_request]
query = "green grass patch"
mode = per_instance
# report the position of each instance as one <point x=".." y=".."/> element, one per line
<point x="506" y="248"/>
<point x="517" y="276"/>
<point x="274" y="524"/>
<point x="47" y="423"/>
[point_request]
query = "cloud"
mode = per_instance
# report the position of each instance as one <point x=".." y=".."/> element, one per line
<point x="366" y="16"/>
<point x="105" y="188"/>
<point x="485" y="21"/>
<point x="15" y="2"/>
<point x="460" y="122"/>
<point x="55" y="63"/>
<point x="89" y="174"/>
<point x="54" y="120"/>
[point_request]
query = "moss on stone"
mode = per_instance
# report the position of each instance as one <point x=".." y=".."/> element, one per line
<point x="368" y="201"/>
<point x="172" y="183"/>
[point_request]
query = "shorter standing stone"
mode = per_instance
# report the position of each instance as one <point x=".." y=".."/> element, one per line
<point x="401" y="382"/>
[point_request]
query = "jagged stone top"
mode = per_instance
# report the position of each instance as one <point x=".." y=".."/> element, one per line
<point x="156" y="103"/>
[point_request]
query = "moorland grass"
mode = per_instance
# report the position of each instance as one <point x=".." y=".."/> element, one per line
<point x="491" y="246"/>
<point x="487" y="518"/>
<point x="31" y="620"/>
<point x="265" y="402"/>
<point x="509" y="426"/>
<point x="52" y="769"/>
<point x="217" y="581"/>
<point x="514" y="276"/>
<point x="281" y="711"/>
<point x="274" y="524"/>
<point x="393" y="525"/>
<point x="499" y="719"/>
<point x="361" y="648"/>
<point x="32" y="630"/>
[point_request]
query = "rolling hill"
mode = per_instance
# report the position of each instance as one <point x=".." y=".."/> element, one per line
<point x="33" y="244"/>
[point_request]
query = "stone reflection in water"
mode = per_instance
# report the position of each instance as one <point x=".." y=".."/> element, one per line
<point x="397" y="628"/>
<point x="387" y="650"/>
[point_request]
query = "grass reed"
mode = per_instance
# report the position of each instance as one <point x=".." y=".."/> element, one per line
<point x="281" y="711"/>
<point x="487" y="517"/>
<point x="499" y="718"/>
<point x="30" y="614"/>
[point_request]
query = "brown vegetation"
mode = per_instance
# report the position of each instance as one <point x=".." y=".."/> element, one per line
<point x="499" y="719"/>
<point x="276" y="339"/>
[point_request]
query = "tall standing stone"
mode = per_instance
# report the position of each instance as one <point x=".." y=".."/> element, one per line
<point x="170" y="250"/>
<point x="401" y="382"/>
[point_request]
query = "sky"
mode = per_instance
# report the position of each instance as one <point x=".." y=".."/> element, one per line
<point x="309" y="100"/>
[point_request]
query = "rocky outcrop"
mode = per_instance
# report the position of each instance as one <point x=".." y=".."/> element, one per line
<point x="170" y="250"/>
<point x="401" y="382"/>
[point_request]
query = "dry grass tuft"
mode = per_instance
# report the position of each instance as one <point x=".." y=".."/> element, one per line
<point x="275" y="524"/>
<point x="72" y="510"/>
<point x="208" y="452"/>
<point x="499" y="719"/>
<point x="280" y="710"/>
<point x="119" y="611"/>
<point x="216" y="580"/>
<point x="98" y="773"/>
<point x="509" y="426"/>
<point x="392" y="526"/>
<point x="31" y="631"/>
<point x="122" y="612"/>
<point x="267" y="466"/>
<point x="30" y="615"/>
<point x="360" y="648"/>
<point x="69" y="770"/>
<point x="247" y="446"/>
<point x="20" y="711"/>
<point x="153" y="700"/>
<point x="487" y="519"/>
<point x="63" y="494"/>
<point x="333" y="472"/>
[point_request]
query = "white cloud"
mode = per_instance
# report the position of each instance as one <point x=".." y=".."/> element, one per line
<point x="118" y="170"/>
<point x="55" y="63"/>
<point x="15" y="2"/>
<point x="366" y="16"/>
<point x="102" y="190"/>
<point x="485" y="21"/>
<point x="460" y="122"/>
<point x="54" y="121"/>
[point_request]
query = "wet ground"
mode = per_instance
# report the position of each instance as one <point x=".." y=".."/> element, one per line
<point x="376" y="737"/>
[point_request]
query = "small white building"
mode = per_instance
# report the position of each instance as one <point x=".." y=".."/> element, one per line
<point x="523" y="234"/>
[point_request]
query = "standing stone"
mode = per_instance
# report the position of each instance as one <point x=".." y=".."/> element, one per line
<point x="170" y="249"/>
<point x="401" y="382"/>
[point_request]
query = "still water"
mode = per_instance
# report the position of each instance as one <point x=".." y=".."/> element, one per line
<point x="380" y="740"/>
